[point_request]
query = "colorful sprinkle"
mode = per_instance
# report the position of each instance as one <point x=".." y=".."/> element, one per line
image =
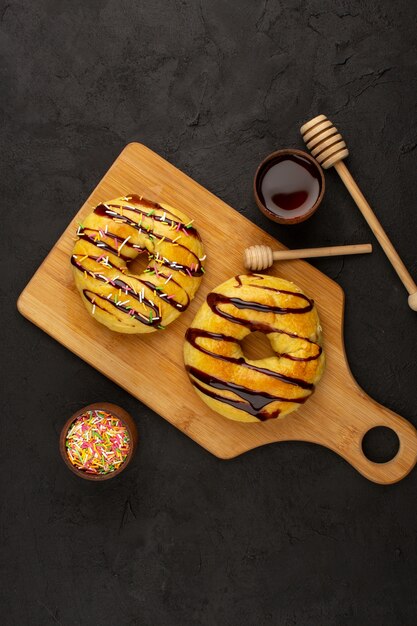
<point x="97" y="442"/>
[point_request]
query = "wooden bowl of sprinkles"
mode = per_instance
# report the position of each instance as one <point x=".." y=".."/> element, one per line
<point x="98" y="441"/>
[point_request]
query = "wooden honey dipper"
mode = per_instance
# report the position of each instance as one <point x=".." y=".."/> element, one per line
<point x="261" y="257"/>
<point x="329" y="149"/>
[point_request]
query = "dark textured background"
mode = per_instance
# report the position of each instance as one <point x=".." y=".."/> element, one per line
<point x="287" y="534"/>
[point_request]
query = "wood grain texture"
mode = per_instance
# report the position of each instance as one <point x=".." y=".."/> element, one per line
<point x="338" y="414"/>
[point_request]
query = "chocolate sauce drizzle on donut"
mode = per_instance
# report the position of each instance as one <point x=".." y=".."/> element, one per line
<point x="214" y="299"/>
<point x="91" y="296"/>
<point x="128" y="290"/>
<point x="193" y="334"/>
<point x="102" y="245"/>
<point x="106" y="211"/>
<point x="108" y="262"/>
<point x="251" y="401"/>
<point x="152" y="206"/>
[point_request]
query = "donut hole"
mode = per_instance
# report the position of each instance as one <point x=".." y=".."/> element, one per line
<point x="138" y="265"/>
<point x="256" y="346"/>
<point x="380" y="444"/>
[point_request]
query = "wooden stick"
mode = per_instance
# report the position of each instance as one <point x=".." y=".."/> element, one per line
<point x="261" y="257"/>
<point x="376" y="227"/>
<point x="329" y="148"/>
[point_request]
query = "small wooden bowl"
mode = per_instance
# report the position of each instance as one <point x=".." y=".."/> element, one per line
<point x="256" y="186"/>
<point x="127" y="421"/>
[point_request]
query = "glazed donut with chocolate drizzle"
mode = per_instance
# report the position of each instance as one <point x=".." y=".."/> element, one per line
<point x="112" y="236"/>
<point x="255" y="390"/>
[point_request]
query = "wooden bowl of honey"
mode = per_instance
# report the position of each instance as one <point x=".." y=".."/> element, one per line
<point x="289" y="186"/>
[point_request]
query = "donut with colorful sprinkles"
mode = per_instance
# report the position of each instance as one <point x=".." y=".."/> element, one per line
<point x="113" y="235"/>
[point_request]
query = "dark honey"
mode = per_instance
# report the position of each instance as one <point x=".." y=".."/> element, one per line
<point x="289" y="185"/>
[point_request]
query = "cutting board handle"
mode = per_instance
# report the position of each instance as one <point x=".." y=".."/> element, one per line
<point x="348" y="434"/>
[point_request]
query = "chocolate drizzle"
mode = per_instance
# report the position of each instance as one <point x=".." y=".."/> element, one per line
<point x="106" y="211"/>
<point x="193" y="334"/>
<point x="103" y="209"/>
<point x="214" y="299"/>
<point x="174" y="303"/>
<point x="102" y="245"/>
<point x="128" y="290"/>
<point x="251" y="401"/>
<point x="153" y="321"/>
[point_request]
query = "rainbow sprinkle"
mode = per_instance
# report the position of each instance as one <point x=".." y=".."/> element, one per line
<point x="97" y="442"/>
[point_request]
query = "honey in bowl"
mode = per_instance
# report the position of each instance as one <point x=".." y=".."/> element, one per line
<point x="289" y="185"/>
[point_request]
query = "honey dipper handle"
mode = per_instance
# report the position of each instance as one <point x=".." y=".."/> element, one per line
<point x="310" y="253"/>
<point x="376" y="227"/>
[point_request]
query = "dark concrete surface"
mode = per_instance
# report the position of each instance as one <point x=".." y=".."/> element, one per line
<point x="287" y="534"/>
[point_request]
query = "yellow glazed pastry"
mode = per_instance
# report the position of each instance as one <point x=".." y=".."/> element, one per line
<point x="112" y="236"/>
<point x="255" y="390"/>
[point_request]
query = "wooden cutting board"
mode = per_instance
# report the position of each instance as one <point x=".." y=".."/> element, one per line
<point x="151" y="367"/>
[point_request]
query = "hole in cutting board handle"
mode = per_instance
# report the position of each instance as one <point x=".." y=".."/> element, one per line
<point x="380" y="444"/>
